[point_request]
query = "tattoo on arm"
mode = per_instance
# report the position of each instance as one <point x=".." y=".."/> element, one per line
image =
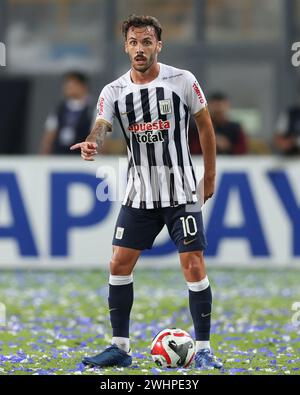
<point x="98" y="133"/>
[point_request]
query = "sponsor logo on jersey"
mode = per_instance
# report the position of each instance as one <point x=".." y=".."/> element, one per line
<point x="149" y="132"/>
<point x="149" y="126"/>
<point x="118" y="86"/>
<point x="165" y="106"/>
<point x="172" y="76"/>
<point x="187" y="242"/>
<point x="149" y="137"/>
<point x="101" y="106"/>
<point x="126" y="112"/>
<point x="198" y="92"/>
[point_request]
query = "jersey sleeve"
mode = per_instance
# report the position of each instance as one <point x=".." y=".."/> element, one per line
<point x="105" y="106"/>
<point x="194" y="95"/>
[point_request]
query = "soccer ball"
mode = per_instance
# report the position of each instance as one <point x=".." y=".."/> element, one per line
<point x="173" y="348"/>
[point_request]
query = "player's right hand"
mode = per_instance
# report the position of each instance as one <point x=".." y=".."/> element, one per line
<point x="88" y="150"/>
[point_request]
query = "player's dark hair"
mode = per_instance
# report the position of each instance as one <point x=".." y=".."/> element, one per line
<point x="78" y="76"/>
<point x="217" y="96"/>
<point x="141" y="21"/>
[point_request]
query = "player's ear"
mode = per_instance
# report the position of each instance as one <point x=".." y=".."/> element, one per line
<point x="159" y="46"/>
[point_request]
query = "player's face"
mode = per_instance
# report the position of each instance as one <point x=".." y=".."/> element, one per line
<point x="142" y="47"/>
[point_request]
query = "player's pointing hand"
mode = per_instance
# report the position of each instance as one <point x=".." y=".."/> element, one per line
<point x="88" y="150"/>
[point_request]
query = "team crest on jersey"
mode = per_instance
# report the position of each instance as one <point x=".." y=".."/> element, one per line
<point x="165" y="106"/>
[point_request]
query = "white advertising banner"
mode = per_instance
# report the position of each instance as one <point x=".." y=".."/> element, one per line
<point x="61" y="212"/>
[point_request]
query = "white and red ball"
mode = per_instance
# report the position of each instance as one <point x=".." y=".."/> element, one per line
<point x="173" y="348"/>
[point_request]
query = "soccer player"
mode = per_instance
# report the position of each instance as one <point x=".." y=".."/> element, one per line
<point x="153" y="103"/>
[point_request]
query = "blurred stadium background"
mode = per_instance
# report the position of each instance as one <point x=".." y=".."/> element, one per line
<point x="50" y="217"/>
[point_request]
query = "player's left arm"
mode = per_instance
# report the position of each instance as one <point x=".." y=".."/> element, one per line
<point x="208" y="145"/>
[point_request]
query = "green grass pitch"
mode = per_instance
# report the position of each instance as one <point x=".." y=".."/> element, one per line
<point x="54" y="318"/>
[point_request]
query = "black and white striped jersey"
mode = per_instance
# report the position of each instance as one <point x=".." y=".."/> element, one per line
<point x="154" y="119"/>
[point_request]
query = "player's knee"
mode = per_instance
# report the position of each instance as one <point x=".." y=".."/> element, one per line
<point x="120" y="266"/>
<point x="193" y="264"/>
<point x="123" y="261"/>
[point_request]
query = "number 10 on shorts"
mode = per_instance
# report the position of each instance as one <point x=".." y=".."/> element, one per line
<point x="189" y="225"/>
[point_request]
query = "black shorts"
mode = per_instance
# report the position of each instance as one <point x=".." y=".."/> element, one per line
<point x="138" y="228"/>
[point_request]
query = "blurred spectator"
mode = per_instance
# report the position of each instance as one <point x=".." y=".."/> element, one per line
<point x="230" y="137"/>
<point x="287" y="134"/>
<point x="72" y="119"/>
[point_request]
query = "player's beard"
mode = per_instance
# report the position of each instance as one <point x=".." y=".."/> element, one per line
<point x="143" y="68"/>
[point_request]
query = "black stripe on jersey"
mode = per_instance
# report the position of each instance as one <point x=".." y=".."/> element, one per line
<point x="135" y="146"/>
<point x="177" y="135"/>
<point x="166" y="153"/>
<point x="132" y="192"/>
<point x="177" y="138"/>
<point x="187" y="118"/>
<point x="151" y="152"/>
<point x="117" y="111"/>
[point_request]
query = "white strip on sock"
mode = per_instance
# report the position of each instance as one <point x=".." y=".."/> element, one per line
<point x="201" y="344"/>
<point x="122" y="342"/>
<point x="120" y="280"/>
<point x="199" y="285"/>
